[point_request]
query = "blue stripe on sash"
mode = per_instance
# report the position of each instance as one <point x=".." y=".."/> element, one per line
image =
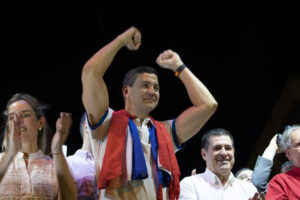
<point x="139" y="168"/>
<point x="154" y="149"/>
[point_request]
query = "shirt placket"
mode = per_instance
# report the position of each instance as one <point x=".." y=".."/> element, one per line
<point x="220" y="190"/>
<point x="26" y="182"/>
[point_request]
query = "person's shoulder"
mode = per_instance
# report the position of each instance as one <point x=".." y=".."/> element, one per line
<point x="278" y="184"/>
<point x="279" y="178"/>
<point x="281" y="175"/>
<point x="167" y="124"/>
<point x="186" y="179"/>
<point x="192" y="178"/>
<point x="102" y="125"/>
<point x="186" y="183"/>
<point x="76" y="157"/>
<point x="70" y="158"/>
<point x="194" y="184"/>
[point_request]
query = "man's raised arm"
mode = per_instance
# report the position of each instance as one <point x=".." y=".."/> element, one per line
<point x="95" y="95"/>
<point x="204" y="105"/>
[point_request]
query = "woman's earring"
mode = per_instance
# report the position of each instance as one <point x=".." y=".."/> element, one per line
<point x="40" y="129"/>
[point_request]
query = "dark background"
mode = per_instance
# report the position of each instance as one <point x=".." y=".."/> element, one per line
<point x="241" y="50"/>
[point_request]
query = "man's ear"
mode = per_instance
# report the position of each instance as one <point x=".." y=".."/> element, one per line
<point x="288" y="154"/>
<point x="125" y="90"/>
<point x="203" y="153"/>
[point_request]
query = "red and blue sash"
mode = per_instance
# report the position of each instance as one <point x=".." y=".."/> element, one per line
<point x="114" y="161"/>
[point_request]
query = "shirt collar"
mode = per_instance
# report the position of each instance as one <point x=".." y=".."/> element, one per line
<point x="214" y="180"/>
<point x="296" y="170"/>
<point x="147" y="121"/>
<point x="32" y="155"/>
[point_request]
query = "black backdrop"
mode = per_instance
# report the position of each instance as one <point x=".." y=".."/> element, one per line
<point x="241" y="50"/>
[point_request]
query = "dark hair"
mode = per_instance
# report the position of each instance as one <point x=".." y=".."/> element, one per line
<point x="45" y="134"/>
<point x="131" y="75"/>
<point x="82" y="120"/>
<point x="214" y="132"/>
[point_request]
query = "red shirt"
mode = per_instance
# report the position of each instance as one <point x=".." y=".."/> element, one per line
<point x="285" y="186"/>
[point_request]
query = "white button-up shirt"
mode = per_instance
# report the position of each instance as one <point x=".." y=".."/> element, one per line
<point x="207" y="186"/>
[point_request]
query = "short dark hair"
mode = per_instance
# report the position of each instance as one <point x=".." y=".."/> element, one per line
<point x="131" y="75"/>
<point x="214" y="132"/>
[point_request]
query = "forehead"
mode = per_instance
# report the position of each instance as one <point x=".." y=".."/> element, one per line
<point x="295" y="136"/>
<point x="147" y="77"/>
<point x="19" y="106"/>
<point x="219" y="140"/>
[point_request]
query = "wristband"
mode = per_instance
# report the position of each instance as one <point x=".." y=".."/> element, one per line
<point x="179" y="70"/>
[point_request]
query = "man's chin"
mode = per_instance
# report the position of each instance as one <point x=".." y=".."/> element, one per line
<point x="225" y="167"/>
<point x="151" y="105"/>
<point x="148" y="109"/>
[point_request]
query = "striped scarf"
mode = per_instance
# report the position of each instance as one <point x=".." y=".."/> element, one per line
<point x="114" y="164"/>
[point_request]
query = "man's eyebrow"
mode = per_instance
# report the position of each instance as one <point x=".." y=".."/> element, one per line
<point x="145" y="82"/>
